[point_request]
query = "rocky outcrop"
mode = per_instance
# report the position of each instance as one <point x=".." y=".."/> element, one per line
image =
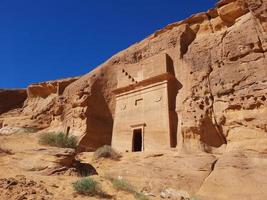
<point x="41" y="103"/>
<point x="236" y="175"/>
<point x="45" y="89"/>
<point x="227" y="80"/>
<point x="11" y="99"/>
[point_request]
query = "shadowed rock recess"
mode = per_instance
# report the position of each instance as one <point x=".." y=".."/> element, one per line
<point x="195" y="86"/>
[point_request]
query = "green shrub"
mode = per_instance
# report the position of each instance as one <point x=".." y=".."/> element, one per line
<point x="140" y="196"/>
<point x="58" y="140"/>
<point x="87" y="186"/>
<point x="121" y="184"/>
<point x="106" y="152"/>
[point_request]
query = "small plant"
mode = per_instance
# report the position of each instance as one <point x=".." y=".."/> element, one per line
<point x="140" y="196"/>
<point x="87" y="186"/>
<point x="106" y="152"/>
<point x="58" y="140"/>
<point x="121" y="184"/>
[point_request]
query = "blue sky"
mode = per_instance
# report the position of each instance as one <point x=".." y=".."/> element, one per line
<point x="50" y="39"/>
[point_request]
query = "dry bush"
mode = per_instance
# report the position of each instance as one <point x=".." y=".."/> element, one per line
<point x="106" y="152"/>
<point x="58" y="140"/>
<point x="121" y="184"/>
<point x="90" y="187"/>
<point x="87" y="186"/>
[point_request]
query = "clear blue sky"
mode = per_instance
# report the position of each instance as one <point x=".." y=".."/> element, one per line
<point x="50" y="39"/>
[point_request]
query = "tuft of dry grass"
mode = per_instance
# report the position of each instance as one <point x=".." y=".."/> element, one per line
<point x="58" y="140"/>
<point x="121" y="184"/>
<point x="87" y="186"/>
<point x="106" y="152"/>
<point x="90" y="187"/>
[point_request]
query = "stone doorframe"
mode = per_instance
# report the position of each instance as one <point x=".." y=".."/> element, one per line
<point x="142" y="127"/>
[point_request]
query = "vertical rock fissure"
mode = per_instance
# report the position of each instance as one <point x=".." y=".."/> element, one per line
<point x="260" y="47"/>
<point x="212" y="168"/>
<point x="217" y="127"/>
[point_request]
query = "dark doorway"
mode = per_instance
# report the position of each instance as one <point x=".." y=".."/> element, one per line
<point x="68" y="131"/>
<point x="137" y="140"/>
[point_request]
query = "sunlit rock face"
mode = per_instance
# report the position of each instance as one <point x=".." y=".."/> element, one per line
<point x="212" y="68"/>
<point x="218" y="95"/>
<point x="195" y="90"/>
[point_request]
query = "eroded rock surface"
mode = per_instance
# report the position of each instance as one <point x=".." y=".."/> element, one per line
<point x="21" y="188"/>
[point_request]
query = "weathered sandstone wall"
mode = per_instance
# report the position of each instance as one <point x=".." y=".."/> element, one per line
<point x="219" y="61"/>
<point x="220" y="67"/>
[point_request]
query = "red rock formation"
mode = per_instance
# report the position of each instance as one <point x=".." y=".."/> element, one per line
<point x="11" y="99"/>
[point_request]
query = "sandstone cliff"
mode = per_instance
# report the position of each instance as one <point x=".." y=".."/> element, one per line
<point x="219" y="61"/>
<point x="218" y="104"/>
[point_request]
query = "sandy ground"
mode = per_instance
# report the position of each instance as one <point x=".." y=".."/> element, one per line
<point x="26" y="166"/>
<point x="24" y="160"/>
